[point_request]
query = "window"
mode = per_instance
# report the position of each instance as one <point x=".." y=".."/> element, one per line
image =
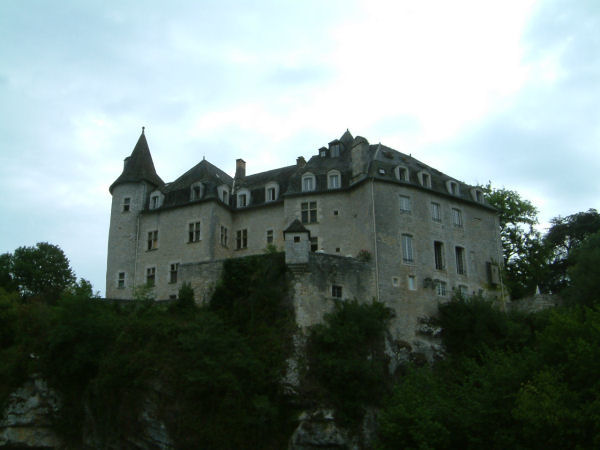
<point x="412" y="283"/>
<point x="463" y="290"/>
<point x="436" y="213"/>
<point x="225" y="196"/>
<point x="121" y="280"/>
<point x="152" y="240"/>
<point x="271" y="191"/>
<point x="223" y="236"/>
<point x="457" y="217"/>
<point x="452" y="187"/>
<point x="194" y="232"/>
<point x="395" y="282"/>
<point x="477" y="195"/>
<point x="314" y="244"/>
<point x="336" y="291"/>
<point x="269" y="236"/>
<point x="154" y="202"/>
<point x="460" y="261"/>
<point x="308" y="182"/>
<point x="333" y="180"/>
<point x="270" y="194"/>
<point x="309" y="212"/>
<point x="404" y="204"/>
<point x="425" y="179"/>
<point x="438" y="253"/>
<point x="441" y="288"/>
<point x="196" y="191"/>
<point x="173" y="273"/>
<point x="241" y="239"/>
<point x="242" y="200"/>
<point x="336" y="212"/>
<point x="126" y="204"/>
<point x="335" y="150"/>
<point x="401" y="173"/>
<point x="407" y="248"/>
<point x="150" y="276"/>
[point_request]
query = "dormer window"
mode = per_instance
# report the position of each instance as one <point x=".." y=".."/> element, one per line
<point x="243" y="198"/>
<point x="271" y="191"/>
<point x="401" y="173"/>
<point x="334" y="179"/>
<point x="323" y="152"/>
<point x="477" y="195"/>
<point x="335" y="150"/>
<point x="424" y="179"/>
<point x="308" y="182"/>
<point x="223" y="193"/>
<point x="156" y="199"/>
<point x="452" y="187"/>
<point x="196" y="191"/>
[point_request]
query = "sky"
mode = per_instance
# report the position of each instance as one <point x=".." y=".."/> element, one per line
<point x="503" y="91"/>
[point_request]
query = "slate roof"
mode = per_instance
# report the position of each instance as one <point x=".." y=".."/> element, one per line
<point x="296" y="227"/>
<point x="139" y="166"/>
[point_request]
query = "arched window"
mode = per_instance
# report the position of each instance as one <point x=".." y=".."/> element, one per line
<point x="243" y="198"/>
<point x="477" y="195"/>
<point x="196" y="191"/>
<point x="271" y="191"/>
<point x="334" y="179"/>
<point x="401" y="173"/>
<point x="309" y="183"/>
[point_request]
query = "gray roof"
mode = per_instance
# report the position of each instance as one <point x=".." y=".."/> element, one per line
<point x="139" y="166"/>
<point x="296" y="227"/>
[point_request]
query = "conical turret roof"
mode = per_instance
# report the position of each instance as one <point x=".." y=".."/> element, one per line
<point x="139" y="166"/>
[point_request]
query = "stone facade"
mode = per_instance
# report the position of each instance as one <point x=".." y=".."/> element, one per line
<point x="421" y="234"/>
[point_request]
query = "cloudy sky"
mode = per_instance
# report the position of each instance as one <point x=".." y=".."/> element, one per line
<point x="507" y="91"/>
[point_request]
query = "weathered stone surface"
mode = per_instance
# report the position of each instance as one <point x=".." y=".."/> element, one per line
<point x="27" y="417"/>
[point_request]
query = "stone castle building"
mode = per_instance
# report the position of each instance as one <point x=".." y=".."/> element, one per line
<point x="356" y="221"/>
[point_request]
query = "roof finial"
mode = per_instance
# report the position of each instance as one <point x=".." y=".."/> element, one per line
<point x="143" y="128"/>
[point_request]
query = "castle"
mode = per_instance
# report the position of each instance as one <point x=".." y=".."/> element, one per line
<point x="356" y="221"/>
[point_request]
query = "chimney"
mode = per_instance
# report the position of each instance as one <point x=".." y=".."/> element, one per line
<point x="240" y="168"/>
<point x="300" y="161"/>
<point x="125" y="162"/>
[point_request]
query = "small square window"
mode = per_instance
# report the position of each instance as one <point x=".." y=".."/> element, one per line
<point x="337" y="249"/>
<point x="336" y="212"/>
<point x="336" y="291"/>
<point x="296" y="238"/>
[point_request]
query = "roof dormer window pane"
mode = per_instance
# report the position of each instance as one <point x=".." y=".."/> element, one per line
<point x="308" y="183"/>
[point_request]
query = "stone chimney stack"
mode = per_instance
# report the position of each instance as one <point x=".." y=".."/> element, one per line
<point x="300" y="161"/>
<point x="240" y="168"/>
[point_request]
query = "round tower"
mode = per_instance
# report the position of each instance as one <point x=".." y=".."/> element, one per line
<point x="129" y="198"/>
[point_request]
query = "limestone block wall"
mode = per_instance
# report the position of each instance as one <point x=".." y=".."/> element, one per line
<point x="203" y="277"/>
<point x="312" y="289"/>
<point x="257" y="221"/>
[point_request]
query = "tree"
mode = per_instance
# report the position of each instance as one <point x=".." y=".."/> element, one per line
<point x="41" y="271"/>
<point x="584" y="272"/>
<point x="565" y="236"/>
<point x="524" y="253"/>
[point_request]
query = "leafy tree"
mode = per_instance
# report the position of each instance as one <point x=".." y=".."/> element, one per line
<point x="584" y="273"/>
<point x="564" y="236"/>
<point x="7" y="281"/>
<point x="42" y="271"/>
<point x="524" y="253"/>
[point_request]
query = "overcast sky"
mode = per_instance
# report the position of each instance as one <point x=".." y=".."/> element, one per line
<point x="507" y="91"/>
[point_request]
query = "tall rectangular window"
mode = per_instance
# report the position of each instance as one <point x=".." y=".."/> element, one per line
<point x="405" y="204"/>
<point x="225" y="197"/>
<point x="441" y="288"/>
<point x="436" y="212"/>
<point x="223" y="236"/>
<point x="314" y="244"/>
<point x="334" y="180"/>
<point x="153" y="240"/>
<point x="457" y="217"/>
<point x="154" y="202"/>
<point x="412" y="283"/>
<point x="150" y="276"/>
<point x="126" y="204"/>
<point x="242" y="200"/>
<point x="407" y="248"/>
<point x="269" y="236"/>
<point x="241" y="240"/>
<point x="194" y="232"/>
<point x="438" y="252"/>
<point x="121" y="280"/>
<point x="460" y="261"/>
<point x="271" y="194"/>
<point x="308" y="184"/>
<point x="173" y="273"/>
<point x="309" y="212"/>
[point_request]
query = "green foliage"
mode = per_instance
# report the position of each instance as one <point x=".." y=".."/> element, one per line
<point x="41" y="272"/>
<point x="524" y="253"/>
<point x="585" y="273"/>
<point x="564" y="237"/>
<point x="346" y="360"/>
